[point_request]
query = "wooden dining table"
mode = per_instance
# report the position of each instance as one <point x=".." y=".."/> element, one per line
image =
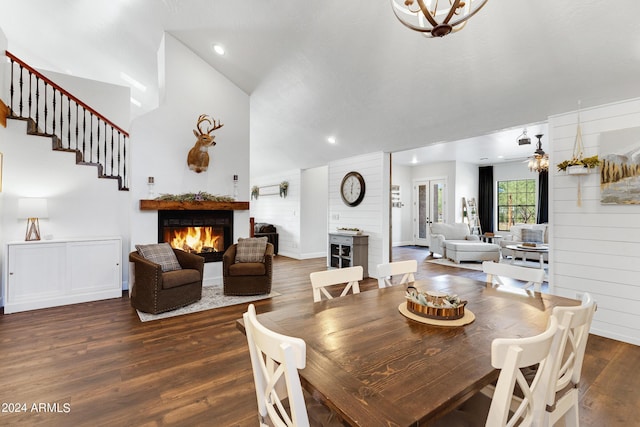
<point x="375" y="367"/>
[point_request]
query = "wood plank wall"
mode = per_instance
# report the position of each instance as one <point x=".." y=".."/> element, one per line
<point x="595" y="247"/>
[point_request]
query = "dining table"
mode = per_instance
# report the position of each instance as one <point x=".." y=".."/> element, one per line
<point x="374" y="366"/>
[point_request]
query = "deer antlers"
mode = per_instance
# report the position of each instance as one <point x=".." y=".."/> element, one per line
<point x="205" y="118"/>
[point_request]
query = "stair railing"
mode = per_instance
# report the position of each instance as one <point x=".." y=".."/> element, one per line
<point x="73" y="126"/>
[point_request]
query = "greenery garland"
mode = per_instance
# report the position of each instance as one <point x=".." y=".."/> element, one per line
<point x="200" y="196"/>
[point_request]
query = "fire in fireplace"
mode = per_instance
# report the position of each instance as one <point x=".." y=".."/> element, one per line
<point x="206" y="233"/>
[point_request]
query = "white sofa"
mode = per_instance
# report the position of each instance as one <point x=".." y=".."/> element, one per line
<point x="520" y="233"/>
<point x="441" y="233"/>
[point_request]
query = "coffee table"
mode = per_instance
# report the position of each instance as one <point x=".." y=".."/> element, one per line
<point x="544" y="249"/>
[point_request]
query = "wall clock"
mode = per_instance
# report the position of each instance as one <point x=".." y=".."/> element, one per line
<point x="352" y="189"/>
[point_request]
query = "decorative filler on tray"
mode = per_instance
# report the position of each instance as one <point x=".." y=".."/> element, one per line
<point x="345" y="230"/>
<point x="434" y="305"/>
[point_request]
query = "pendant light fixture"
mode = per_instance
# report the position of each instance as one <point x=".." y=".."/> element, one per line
<point x="435" y="18"/>
<point x="539" y="162"/>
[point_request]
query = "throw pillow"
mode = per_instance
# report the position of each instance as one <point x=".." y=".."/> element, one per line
<point x="251" y="249"/>
<point x="160" y="253"/>
<point x="532" y="236"/>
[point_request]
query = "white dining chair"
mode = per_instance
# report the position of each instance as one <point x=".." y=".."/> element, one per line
<point x="497" y="272"/>
<point x="350" y="276"/>
<point x="562" y="398"/>
<point x="387" y="270"/>
<point x="275" y="360"/>
<point x="511" y="355"/>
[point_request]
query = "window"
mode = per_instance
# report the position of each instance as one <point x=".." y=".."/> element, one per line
<point x="516" y="203"/>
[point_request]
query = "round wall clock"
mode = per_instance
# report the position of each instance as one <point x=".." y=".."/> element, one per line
<point x="352" y="189"/>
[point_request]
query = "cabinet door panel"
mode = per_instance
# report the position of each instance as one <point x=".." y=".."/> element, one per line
<point x="36" y="272"/>
<point x="94" y="265"/>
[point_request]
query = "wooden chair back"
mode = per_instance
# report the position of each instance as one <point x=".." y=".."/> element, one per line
<point x="350" y="276"/>
<point x="275" y="359"/>
<point x="510" y="355"/>
<point x="386" y="271"/>
<point x="568" y="367"/>
<point x="497" y="271"/>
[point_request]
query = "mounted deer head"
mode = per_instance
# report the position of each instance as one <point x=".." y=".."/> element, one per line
<point x="198" y="158"/>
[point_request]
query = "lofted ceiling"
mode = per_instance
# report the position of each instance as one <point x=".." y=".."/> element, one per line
<point x="350" y="70"/>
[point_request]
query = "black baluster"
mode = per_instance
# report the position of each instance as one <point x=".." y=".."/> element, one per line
<point x="77" y="124"/>
<point x="98" y="139"/>
<point x="45" y="108"/>
<point x="69" y="122"/>
<point x="30" y="92"/>
<point x="21" y="89"/>
<point x="91" y="138"/>
<point x="84" y="133"/>
<point x="119" y="150"/>
<point x="37" y="104"/>
<point x="53" y="112"/>
<point x="112" y="174"/>
<point x="11" y="89"/>
<point x="124" y="164"/>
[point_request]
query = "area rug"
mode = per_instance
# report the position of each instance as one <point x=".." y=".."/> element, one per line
<point x="470" y="265"/>
<point x="212" y="297"/>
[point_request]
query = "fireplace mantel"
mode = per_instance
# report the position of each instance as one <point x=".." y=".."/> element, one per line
<point x="168" y="205"/>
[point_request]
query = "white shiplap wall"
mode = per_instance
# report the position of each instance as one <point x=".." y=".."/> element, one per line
<point x="372" y="215"/>
<point x="283" y="212"/>
<point x="595" y="247"/>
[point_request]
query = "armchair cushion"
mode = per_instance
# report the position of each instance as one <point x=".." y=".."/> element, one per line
<point x="174" y="278"/>
<point x="251" y="249"/>
<point x="247" y="269"/>
<point x="160" y="253"/>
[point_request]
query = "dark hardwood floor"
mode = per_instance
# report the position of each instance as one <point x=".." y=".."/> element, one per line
<point x="96" y="364"/>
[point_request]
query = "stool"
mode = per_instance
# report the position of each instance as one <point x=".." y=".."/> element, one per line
<point x="472" y="251"/>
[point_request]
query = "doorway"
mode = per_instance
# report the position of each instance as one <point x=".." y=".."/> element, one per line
<point x="429" y="201"/>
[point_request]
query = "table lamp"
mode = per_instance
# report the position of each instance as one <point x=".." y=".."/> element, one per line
<point x="32" y="209"/>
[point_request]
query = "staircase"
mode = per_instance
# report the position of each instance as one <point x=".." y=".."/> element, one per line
<point x="52" y="112"/>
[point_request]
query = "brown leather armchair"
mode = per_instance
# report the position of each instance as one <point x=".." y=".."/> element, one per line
<point x="246" y="278"/>
<point x="155" y="292"/>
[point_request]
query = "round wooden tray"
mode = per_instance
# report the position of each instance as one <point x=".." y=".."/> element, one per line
<point x="465" y="320"/>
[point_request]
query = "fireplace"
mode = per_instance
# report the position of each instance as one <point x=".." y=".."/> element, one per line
<point x="207" y="233"/>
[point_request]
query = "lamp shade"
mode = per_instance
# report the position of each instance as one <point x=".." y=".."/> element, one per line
<point x="32" y="208"/>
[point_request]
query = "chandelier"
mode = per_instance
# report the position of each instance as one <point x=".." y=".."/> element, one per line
<point x="539" y="162"/>
<point x="433" y="18"/>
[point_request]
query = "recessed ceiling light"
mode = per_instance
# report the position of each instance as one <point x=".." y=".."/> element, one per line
<point x="331" y="140"/>
<point x="217" y="49"/>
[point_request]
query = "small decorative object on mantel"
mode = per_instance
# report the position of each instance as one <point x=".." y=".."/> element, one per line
<point x="578" y="164"/>
<point x="200" y="196"/>
<point x="198" y="158"/>
<point x="255" y="191"/>
<point x="352" y="231"/>
<point x="284" y="186"/>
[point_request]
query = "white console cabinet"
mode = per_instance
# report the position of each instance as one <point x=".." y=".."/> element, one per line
<point x="50" y="273"/>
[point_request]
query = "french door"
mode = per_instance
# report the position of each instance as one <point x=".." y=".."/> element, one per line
<point x="429" y="201"/>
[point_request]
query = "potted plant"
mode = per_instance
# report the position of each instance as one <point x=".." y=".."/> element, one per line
<point x="579" y="166"/>
<point x="284" y="186"/>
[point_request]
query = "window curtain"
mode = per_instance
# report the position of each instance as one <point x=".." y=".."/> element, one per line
<point x="543" y="198"/>
<point x="485" y="198"/>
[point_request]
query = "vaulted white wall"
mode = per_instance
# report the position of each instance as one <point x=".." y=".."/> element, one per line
<point x="595" y="247"/>
<point x="161" y="139"/>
